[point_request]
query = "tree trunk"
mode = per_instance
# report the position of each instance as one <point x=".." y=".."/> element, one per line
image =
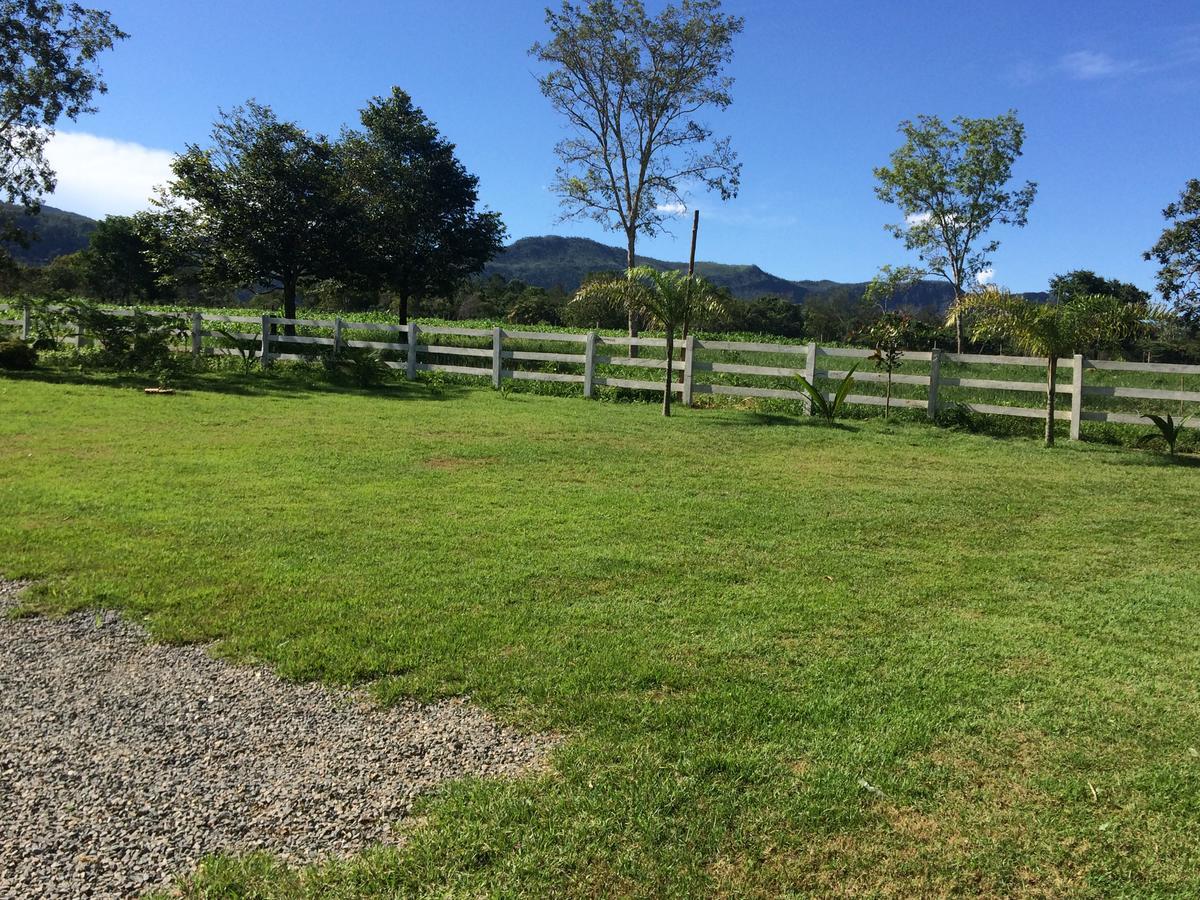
<point x="670" y="353"/>
<point x="404" y="308"/>
<point x="958" y="326"/>
<point x="1051" y="395"/>
<point x="630" y="262"/>
<point x="289" y="304"/>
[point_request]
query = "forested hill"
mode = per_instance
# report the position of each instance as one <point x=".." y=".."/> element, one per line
<point x="57" y="233"/>
<point x="551" y="262"/>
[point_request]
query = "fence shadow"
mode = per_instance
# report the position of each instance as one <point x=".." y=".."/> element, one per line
<point x="249" y="384"/>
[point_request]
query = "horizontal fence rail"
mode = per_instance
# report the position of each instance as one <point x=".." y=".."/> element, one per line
<point x="594" y="360"/>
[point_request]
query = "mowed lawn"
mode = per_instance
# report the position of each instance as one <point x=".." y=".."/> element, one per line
<point x="879" y="660"/>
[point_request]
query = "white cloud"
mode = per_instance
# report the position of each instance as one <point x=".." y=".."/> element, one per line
<point x="917" y="219"/>
<point x="99" y="176"/>
<point x="987" y="276"/>
<point x="1088" y="65"/>
<point x="671" y="209"/>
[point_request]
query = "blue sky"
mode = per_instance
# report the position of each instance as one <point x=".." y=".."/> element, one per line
<point x="1109" y="92"/>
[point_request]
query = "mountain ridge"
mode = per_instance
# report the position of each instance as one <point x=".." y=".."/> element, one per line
<point x="553" y="261"/>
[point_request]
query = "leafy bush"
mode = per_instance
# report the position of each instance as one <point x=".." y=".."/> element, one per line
<point x="363" y="368"/>
<point x="137" y="343"/>
<point x="17" y="356"/>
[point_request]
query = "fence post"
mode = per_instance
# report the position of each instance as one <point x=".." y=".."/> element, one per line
<point x="264" y="355"/>
<point x="935" y="378"/>
<point x="810" y="372"/>
<point x="1077" y="397"/>
<point x="497" y="347"/>
<point x="197" y="332"/>
<point x="26" y="324"/>
<point x="78" y="335"/>
<point x="689" y="353"/>
<point x="410" y="361"/>
<point x="589" y="364"/>
<point x="337" y="335"/>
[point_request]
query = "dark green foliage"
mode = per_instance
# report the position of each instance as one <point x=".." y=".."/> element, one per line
<point x="1169" y="431"/>
<point x="117" y="264"/>
<point x="264" y="206"/>
<point x="1083" y="281"/>
<point x="47" y="70"/>
<point x="767" y="315"/>
<point x="417" y="230"/>
<point x="1177" y="252"/>
<point x="17" y="356"/>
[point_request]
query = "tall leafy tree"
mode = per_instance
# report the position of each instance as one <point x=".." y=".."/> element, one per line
<point x="951" y="183"/>
<point x="1049" y="330"/>
<point x="117" y="263"/>
<point x="264" y="207"/>
<point x="631" y="87"/>
<point x="48" y="69"/>
<point x="1177" y="252"/>
<point x="421" y="231"/>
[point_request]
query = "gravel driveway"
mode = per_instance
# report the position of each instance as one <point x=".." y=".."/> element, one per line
<point x="123" y="762"/>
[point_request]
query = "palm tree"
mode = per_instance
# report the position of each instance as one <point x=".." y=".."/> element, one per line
<point x="1050" y="330"/>
<point x="668" y="299"/>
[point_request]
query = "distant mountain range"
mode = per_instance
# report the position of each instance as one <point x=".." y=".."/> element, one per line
<point x="562" y="262"/>
<point x="58" y="233"/>
<point x="548" y="262"/>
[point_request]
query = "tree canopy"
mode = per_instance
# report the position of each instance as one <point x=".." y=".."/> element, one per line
<point x="48" y="69"/>
<point x="631" y="87"/>
<point x="951" y="185"/>
<point x="418" y="229"/>
<point x="1177" y="251"/>
<point x="264" y="207"/>
<point x="1084" y="281"/>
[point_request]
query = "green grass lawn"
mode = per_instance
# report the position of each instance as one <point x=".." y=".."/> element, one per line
<point x="885" y="659"/>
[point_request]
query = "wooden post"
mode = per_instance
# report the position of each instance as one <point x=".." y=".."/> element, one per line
<point x="337" y="335"/>
<point x="197" y="333"/>
<point x="935" y="377"/>
<point x="27" y="324"/>
<point x="410" y="371"/>
<point x="689" y="351"/>
<point x="264" y="354"/>
<point x="810" y="372"/>
<point x="589" y="364"/>
<point x="497" y="347"/>
<point x="1077" y="397"/>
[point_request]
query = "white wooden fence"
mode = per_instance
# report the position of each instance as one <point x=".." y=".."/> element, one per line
<point x="590" y="350"/>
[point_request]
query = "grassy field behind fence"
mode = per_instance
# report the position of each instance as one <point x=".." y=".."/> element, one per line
<point x="949" y="396"/>
<point x="882" y="659"/>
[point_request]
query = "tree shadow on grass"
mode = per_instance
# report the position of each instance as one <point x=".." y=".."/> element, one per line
<point x="242" y="384"/>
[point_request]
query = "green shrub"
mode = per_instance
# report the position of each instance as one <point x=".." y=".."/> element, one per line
<point x="17" y="356"/>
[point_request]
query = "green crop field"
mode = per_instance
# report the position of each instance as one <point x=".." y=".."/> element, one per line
<point x="878" y="659"/>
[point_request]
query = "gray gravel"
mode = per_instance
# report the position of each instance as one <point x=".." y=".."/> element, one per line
<point x="122" y="762"/>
